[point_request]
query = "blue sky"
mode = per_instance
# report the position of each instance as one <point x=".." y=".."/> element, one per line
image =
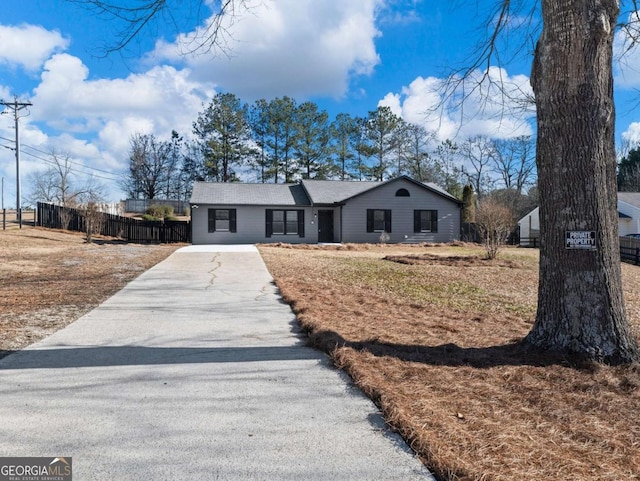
<point x="348" y="56"/>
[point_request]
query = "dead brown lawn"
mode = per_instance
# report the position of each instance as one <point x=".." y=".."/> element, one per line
<point x="50" y="278"/>
<point x="431" y="334"/>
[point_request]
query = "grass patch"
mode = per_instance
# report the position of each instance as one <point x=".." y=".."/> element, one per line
<point x="49" y="278"/>
<point x="432" y="335"/>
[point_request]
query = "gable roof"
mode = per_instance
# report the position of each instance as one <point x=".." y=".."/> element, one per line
<point x="338" y="191"/>
<point x="307" y="193"/>
<point x="335" y="191"/>
<point x="232" y="193"/>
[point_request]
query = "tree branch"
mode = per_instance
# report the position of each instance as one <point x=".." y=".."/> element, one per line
<point x="135" y="16"/>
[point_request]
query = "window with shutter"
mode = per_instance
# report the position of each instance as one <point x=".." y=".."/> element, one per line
<point x="379" y="220"/>
<point x="425" y="221"/>
<point x="284" y="222"/>
<point x="222" y="220"/>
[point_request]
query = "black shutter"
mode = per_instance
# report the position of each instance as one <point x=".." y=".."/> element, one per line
<point x="369" y="220"/>
<point x="301" y="223"/>
<point x="212" y="220"/>
<point x="387" y="221"/>
<point x="232" y="220"/>
<point x="269" y="223"/>
<point x="434" y="221"/>
<point x="417" y="221"/>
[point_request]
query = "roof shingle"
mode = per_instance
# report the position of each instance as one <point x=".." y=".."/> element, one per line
<point x="309" y="192"/>
<point x="220" y="193"/>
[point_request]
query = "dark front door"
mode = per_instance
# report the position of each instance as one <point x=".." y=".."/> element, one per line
<point x="325" y="226"/>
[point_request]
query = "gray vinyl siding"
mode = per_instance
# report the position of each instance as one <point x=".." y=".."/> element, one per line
<point x="250" y="226"/>
<point x="354" y="214"/>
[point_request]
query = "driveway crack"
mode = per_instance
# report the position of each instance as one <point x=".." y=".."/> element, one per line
<point x="216" y="265"/>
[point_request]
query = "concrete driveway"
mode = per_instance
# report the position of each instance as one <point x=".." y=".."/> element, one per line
<point x="194" y="371"/>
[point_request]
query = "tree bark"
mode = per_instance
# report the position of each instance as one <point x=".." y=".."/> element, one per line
<point x="580" y="302"/>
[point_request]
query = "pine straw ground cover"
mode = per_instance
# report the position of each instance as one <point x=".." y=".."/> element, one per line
<point x="50" y="278"/>
<point x="431" y="335"/>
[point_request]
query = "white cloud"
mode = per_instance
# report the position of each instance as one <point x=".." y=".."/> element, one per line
<point x="66" y="98"/>
<point x="487" y="109"/>
<point x="28" y="46"/>
<point x="156" y="102"/>
<point x="93" y="120"/>
<point x="632" y="134"/>
<point x="627" y="54"/>
<point x="298" y="48"/>
<point x="394" y="102"/>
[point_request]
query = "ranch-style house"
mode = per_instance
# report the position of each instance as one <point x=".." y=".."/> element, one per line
<point x="323" y="211"/>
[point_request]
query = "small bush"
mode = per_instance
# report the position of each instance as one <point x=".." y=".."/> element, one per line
<point x="160" y="211"/>
<point x="494" y="221"/>
<point x="149" y="217"/>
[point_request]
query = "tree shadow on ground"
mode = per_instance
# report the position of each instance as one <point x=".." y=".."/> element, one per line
<point x="103" y="356"/>
<point x="516" y="353"/>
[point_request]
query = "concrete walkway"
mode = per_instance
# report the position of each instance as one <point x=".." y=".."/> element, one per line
<point x="194" y="371"/>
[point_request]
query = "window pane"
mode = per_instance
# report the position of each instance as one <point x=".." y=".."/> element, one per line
<point x="292" y="222"/>
<point x="278" y="222"/>
<point x="425" y="221"/>
<point x="378" y="220"/>
<point x="222" y="219"/>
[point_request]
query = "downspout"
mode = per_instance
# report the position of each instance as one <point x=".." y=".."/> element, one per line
<point x="341" y="226"/>
<point x="191" y="221"/>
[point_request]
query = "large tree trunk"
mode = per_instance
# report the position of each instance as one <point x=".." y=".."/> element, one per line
<point x="580" y="303"/>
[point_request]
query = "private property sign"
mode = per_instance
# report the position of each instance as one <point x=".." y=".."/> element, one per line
<point x="581" y="239"/>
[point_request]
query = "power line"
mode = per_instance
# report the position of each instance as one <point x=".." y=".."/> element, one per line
<point x="49" y="153"/>
<point x="75" y="169"/>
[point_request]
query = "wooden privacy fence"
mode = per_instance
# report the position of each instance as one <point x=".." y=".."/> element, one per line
<point x="131" y="230"/>
<point x="630" y="249"/>
<point x="529" y="242"/>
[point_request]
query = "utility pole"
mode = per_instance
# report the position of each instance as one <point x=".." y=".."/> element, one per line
<point x="4" y="212"/>
<point x="17" y="107"/>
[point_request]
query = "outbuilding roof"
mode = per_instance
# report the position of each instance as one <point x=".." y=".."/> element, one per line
<point x="632" y="198"/>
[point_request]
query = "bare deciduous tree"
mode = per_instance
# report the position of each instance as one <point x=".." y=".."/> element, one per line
<point x="495" y="222"/>
<point x="93" y="218"/>
<point x="478" y="152"/>
<point x="59" y="184"/>
<point x="515" y="162"/>
<point x="151" y="162"/>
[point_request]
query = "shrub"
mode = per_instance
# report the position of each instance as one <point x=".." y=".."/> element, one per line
<point x="494" y="221"/>
<point x="160" y="211"/>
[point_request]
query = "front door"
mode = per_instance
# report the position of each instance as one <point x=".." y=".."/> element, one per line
<point x="325" y="226"/>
